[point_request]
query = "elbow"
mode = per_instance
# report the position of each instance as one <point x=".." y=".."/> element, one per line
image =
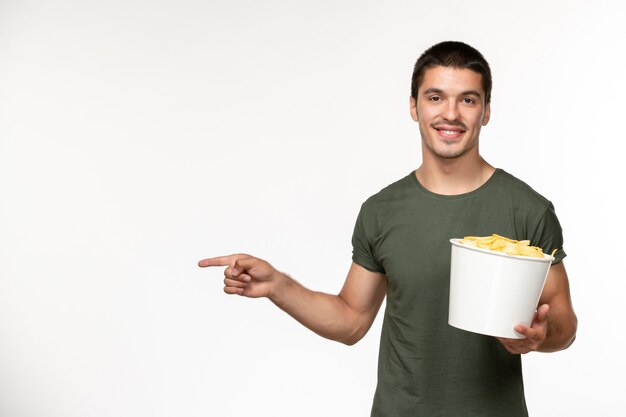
<point x="574" y="330"/>
<point x="568" y="334"/>
<point x="348" y="332"/>
<point x="573" y="326"/>
<point x="352" y="340"/>
<point x="355" y="324"/>
<point x="356" y="333"/>
<point x="571" y="342"/>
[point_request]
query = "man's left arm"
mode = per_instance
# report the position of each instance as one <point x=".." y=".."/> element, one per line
<point x="554" y="325"/>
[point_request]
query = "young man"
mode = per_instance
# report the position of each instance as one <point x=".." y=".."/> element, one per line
<point x="401" y="250"/>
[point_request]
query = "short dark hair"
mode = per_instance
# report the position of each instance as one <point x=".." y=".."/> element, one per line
<point x="452" y="54"/>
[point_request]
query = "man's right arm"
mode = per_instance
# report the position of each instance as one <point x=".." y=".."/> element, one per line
<point x="345" y="317"/>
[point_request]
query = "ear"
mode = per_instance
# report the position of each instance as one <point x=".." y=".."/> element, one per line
<point x="413" y="108"/>
<point x="487" y="114"/>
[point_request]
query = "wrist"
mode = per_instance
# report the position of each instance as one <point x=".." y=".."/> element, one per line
<point x="277" y="282"/>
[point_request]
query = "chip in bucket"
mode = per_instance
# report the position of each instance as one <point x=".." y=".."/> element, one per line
<point x="505" y="245"/>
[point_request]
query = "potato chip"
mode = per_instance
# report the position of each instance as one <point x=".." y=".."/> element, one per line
<point x="505" y="245"/>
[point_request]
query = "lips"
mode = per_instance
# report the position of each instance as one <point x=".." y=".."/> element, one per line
<point x="449" y="133"/>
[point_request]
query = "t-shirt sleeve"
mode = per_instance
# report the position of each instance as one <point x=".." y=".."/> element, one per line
<point x="362" y="248"/>
<point x="549" y="235"/>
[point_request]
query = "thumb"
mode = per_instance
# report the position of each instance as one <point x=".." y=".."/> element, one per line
<point x="256" y="268"/>
<point x="542" y="312"/>
<point x="244" y="264"/>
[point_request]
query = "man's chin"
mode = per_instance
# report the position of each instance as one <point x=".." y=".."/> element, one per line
<point x="449" y="153"/>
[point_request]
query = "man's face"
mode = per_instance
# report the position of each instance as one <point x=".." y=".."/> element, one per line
<point x="450" y="109"/>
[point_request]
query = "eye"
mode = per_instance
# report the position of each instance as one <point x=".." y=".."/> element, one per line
<point x="469" y="100"/>
<point x="435" y="98"/>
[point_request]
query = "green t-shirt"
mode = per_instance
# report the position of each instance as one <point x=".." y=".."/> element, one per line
<point x="427" y="367"/>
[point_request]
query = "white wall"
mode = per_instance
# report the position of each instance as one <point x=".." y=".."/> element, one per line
<point x="137" y="137"/>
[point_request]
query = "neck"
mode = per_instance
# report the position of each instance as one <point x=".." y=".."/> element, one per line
<point x="453" y="176"/>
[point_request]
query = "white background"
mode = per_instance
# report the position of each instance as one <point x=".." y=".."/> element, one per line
<point x="137" y="137"/>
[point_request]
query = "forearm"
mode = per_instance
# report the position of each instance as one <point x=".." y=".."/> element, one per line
<point x="327" y="315"/>
<point x="561" y="329"/>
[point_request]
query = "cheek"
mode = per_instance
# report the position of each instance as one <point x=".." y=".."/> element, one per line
<point x="425" y="113"/>
<point x="477" y="119"/>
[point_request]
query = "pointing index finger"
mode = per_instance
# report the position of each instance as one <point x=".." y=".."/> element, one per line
<point x="218" y="261"/>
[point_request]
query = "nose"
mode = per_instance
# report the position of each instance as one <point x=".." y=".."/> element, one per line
<point x="451" y="112"/>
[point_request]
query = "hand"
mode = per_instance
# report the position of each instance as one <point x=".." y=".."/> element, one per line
<point x="245" y="274"/>
<point x="535" y="334"/>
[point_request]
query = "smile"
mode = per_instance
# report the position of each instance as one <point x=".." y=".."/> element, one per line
<point x="450" y="133"/>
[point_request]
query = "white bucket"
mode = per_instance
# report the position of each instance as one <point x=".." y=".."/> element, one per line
<point x="491" y="292"/>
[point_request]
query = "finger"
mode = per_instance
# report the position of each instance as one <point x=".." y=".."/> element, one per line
<point x="531" y="334"/>
<point x="228" y="273"/>
<point x="517" y="346"/>
<point x="536" y="333"/>
<point x="506" y="344"/>
<point x="234" y="283"/>
<point x="221" y="260"/>
<point x="233" y="290"/>
<point x="525" y="331"/>
<point x="244" y="263"/>
<point x="244" y="277"/>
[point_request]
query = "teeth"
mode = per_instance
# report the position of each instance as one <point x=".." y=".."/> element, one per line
<point x="449" y="132"/>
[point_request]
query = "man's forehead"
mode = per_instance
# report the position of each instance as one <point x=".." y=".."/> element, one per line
<point x="439" y="77"/>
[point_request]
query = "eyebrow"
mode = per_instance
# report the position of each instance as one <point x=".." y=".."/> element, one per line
<point x="433" y="90"/>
